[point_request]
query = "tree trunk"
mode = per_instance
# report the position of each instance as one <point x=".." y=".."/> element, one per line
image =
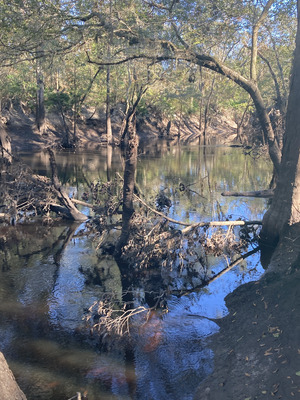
<point x="285" y="207"/>
<point x="5" y="146"/>
<point x="130" y="116"/>
<point x="40" y="104"/>
<point x="254" y="49"/>
<point x="9" y="388"/>
<point x="108" y="108"/>
<point x="129" y="183"/>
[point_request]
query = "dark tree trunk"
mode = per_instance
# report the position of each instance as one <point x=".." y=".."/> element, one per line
<point x="285" y="207"/>
<point x="130" y="116"/>
<point x="108" y="108"/>
<point x="40" y="104"/>
<point x="129" y="183"/>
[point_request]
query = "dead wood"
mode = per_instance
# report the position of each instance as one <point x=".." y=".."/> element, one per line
<point x="82" y="203"/>
<point x="198" y="224"/>
<point x="72" y="212"/>
<point x="219" y="223"/>
<point x="258" y="193"/>
<point x="221" y="273"/>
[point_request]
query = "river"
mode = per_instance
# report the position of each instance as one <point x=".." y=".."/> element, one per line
<point x="44" y="295"/>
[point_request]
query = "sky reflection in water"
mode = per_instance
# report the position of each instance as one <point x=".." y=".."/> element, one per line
<point x="170" y="356"/>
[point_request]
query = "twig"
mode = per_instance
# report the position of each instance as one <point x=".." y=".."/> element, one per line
<point x="219" y="274"/>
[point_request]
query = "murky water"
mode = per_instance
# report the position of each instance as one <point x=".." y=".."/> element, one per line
<point x="43" y="294"/>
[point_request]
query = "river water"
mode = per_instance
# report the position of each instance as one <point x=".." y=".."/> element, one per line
<point x="44" y="295"/>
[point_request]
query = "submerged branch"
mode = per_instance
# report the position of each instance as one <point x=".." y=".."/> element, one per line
<point x="219" y="274"/>
<point x="258" y="193"/>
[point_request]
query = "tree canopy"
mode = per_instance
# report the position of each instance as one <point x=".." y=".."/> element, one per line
<point x="166" y="44"/>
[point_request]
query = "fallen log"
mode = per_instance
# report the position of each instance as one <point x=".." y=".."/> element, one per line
<point x="73" y="212"/>
<point x="258" y="193"/>
<point x="207" y="282"/>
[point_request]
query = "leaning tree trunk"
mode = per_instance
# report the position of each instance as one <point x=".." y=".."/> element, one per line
<point x="285" y="207"/>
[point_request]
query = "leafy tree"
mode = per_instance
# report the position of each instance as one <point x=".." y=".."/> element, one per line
<point x="162" y="33"/>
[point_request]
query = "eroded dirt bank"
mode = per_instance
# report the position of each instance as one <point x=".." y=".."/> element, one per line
<point x="257" y="351"/>
<point x="90" y="132"/>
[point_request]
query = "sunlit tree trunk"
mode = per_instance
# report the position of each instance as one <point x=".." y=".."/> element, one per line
<point x="285" y="207"/>
<point x="254" y="48"/>
<point x="5" y="145"/>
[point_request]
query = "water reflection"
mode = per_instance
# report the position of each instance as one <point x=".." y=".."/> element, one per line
<point x="43" y="292"/>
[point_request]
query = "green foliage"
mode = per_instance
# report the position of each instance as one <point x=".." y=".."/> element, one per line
<point x="58" y="100"/>
<point x="68" y="40"/>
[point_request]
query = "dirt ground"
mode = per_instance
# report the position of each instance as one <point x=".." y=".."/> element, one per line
<point x="257" y="351"/>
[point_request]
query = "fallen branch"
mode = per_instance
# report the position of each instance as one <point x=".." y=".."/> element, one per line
<point x="219" y="274"/>
<point x="259" y="193"/>
<point x="219" y="223"/>
<point x="82" y="203"/>
<point x="233" y="264"/>
<point x="198" y="224"/>
<point x="189" y="227"/>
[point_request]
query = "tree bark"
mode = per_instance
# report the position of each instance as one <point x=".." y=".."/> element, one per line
<point x="9" y="388"/>
<point x="5" y="146"/>
<point x="108" y="108"/>
<point x="285" y="207"/>
<point x="40" y="104"/>
<point x="254" y="49"/>
<point x="129" y="183"/>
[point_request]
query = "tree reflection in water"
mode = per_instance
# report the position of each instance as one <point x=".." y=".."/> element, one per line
<point x="45" y="287"/>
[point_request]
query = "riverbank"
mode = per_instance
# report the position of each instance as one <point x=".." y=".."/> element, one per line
<point x="257" y="352"/>
<point x="90" y="130"/>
